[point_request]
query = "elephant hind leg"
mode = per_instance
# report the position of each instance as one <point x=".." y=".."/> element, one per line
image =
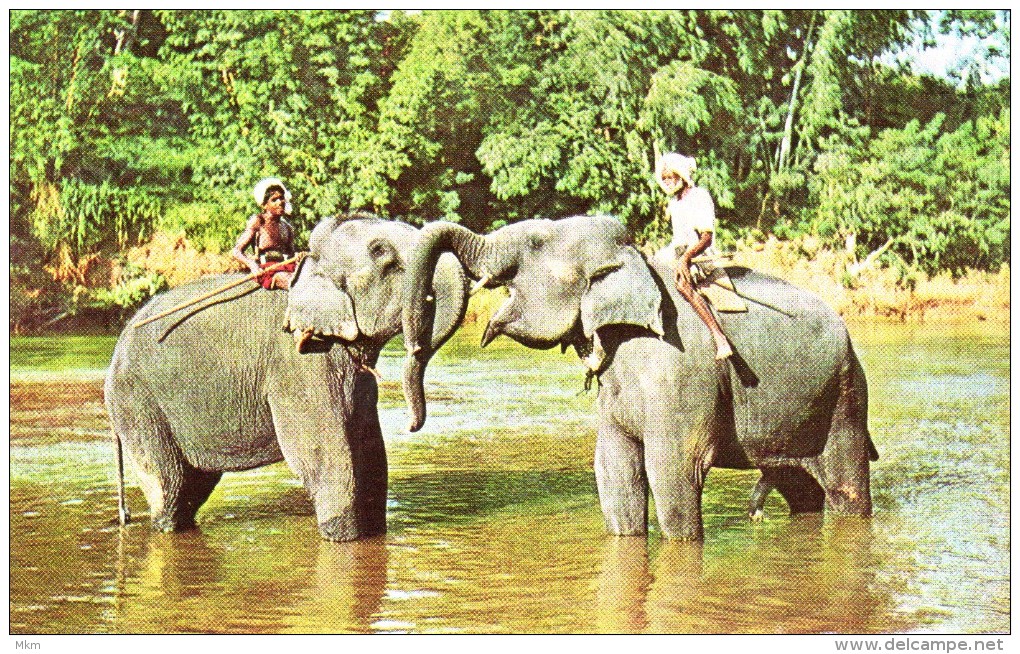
<point x="844" y="467"/>
<point x="195" y="488"/>
<point x="173" y="488"/>
<point x="847" y="485"/>
<point x="801" y="491"/>
<point x="145" y="436"/>
<point x="756" y="507"/>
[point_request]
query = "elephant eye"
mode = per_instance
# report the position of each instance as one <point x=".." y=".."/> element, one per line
<point x="377" y="249"/>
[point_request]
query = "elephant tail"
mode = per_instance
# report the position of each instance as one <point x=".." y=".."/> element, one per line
<point x="122" y="509"/>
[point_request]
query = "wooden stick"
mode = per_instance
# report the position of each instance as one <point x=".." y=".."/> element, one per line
<point x="715" y="258"/>
<point x="249" y="278"/>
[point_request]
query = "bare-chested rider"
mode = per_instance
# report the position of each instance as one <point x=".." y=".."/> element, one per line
<point x="270" y="235"/>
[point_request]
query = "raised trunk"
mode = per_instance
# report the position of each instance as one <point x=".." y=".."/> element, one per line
<point x="477" y="255"/>
<point x="450" y="289"/>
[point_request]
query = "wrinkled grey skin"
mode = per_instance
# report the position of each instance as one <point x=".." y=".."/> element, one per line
<point x="793" y="404"/>
<point x="221" y="387"/>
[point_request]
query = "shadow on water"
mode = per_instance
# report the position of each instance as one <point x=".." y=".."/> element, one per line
<point x="462" y="497"/>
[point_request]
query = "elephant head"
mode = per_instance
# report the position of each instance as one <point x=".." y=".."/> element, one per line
<point x="567" y="278"/>
<point x="348" y="288"/>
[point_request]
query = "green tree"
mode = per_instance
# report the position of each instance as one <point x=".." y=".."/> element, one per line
<point x="74" y="192"/>
<point x="940" y="200"/>
<point x="288" y="93"/>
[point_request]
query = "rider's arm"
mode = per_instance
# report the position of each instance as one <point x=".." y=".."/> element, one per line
<point x="246" y="238"/>
<point x="703" y="242"/>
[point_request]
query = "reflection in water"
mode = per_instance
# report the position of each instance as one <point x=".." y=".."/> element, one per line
<point x="623" y="585"/>
<point x="810" y="577"/>
<point x="494" y="525"/>
<point x="346" y="589"/>
<point x="300" y="585"/>
<point x="678" y="589"/>
<point x="169" y="587"/>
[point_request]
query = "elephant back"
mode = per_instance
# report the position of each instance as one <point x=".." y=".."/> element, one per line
<point x="791" y="350"/>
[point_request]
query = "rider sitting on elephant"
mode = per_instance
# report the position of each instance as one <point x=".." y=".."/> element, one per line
<point x="271" y="235"/>
<point x="691" y="213"/>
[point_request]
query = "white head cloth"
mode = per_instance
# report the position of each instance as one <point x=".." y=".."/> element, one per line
<point x="264" y="185"/>
<point x="671" y="162"/>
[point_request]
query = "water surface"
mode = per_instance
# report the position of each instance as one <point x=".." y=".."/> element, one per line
<point x="494" y="525"/>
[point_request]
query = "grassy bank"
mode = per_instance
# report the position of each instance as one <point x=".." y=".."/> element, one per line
<point x="862" y="290"/>
<point x="858" y="291"/>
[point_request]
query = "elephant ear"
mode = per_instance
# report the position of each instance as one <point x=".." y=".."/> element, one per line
<point x="319" y="304"/>
<point x="622" y="292"/>
<point x="298" y="270"/>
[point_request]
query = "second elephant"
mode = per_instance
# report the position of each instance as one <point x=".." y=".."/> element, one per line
<point x="794" y="403"/>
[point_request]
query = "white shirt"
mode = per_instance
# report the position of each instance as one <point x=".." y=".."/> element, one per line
<point x="690" y="214"/>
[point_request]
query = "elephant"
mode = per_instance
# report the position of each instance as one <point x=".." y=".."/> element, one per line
<point x="222" y="387"/>
<point x="792" y="402"/>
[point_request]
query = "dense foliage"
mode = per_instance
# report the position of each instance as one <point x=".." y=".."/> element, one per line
<point x="127" y="124"/>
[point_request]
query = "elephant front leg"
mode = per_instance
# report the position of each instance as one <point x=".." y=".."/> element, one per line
<point x="676" y="475"/>
<point x="622" y="484"/>
<point x="369" y="457"/>
<point x="316" y="447"/>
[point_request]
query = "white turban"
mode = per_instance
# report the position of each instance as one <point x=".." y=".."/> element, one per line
<point x="674" y="163"/>
<point x="267" y="183"/>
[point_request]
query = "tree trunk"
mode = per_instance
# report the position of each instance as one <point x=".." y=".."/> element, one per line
<point x="127" y="35"/>
<point x="785" y="144"/>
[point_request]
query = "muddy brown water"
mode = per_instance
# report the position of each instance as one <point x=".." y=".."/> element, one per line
<point x="494" y="525"/>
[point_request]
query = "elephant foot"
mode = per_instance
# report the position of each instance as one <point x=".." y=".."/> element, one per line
<point x="166" y="525"/>
<point x="848" y="500"/>
<point x="346" y="527"/>
<point x="686" y="531"/>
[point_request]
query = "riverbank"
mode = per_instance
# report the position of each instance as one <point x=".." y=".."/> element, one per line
<point x="860" y="290"/>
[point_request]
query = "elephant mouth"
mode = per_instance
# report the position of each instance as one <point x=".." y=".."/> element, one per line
<point x="313" y="339"/>
<point x="509" y="320"/>
<point x="308" y="342"/>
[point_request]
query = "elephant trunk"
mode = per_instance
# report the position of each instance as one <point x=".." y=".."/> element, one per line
<point x="449" y="287"/>
<point x="478" y="256"/>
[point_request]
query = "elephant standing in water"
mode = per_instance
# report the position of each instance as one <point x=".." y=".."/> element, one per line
<point x="222" y="387"/>
<point x="796" y="407"/>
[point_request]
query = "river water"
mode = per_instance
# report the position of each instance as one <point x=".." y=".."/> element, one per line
<point x="494" y="525"/>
